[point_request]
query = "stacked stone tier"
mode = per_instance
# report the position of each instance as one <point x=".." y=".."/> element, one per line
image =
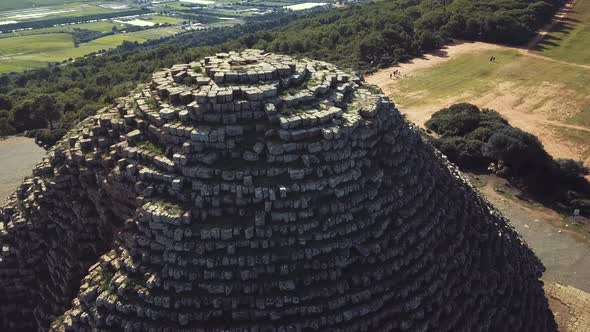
<point x="257" y="192"/>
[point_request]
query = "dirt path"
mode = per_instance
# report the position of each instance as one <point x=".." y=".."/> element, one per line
<point x="18" y="156"/>
<point x="563" y="246"/>
<point x="381" y="77"/>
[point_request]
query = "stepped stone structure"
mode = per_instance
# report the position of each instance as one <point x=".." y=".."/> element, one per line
<point x="257" y="192"/>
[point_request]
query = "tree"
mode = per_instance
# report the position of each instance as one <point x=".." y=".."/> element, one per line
<point x="572" y="168"/>
<point x="22" y="115"/>
<point x="516" y="148"/>
<point x="505" y="28"/>
<point x="6" y="128"/>
<point x="428" y="41"/>
<point x="5" y="102"/>
<point x="45" y="108"/>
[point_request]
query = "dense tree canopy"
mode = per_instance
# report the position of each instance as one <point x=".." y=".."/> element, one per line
<point x="474" y="138"/>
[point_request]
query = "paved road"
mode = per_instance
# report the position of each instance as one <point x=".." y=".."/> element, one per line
<point x="18" y="156"/>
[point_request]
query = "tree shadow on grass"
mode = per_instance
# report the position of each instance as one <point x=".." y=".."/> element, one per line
<point x="438" y="53"/>
<point x="550" y="40"/>
<point x="546" y="43"/>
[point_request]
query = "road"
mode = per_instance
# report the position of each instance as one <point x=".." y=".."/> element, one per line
<point x="561" y="244"/>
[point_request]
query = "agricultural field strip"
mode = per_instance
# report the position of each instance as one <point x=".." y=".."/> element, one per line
<point x="27" y="52"/>
<point x="68" y="10"/>
<point x="539" y="94"/>
<point x="568" y="39"/>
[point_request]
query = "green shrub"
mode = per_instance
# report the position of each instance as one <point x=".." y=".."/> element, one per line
<point x="582" y="204"/>
<point x="6" y="128"/>
<point x="47" y="137"/>
<point x="572" y="168"/>
<point x="480" y="134"/>
<point x="516" y="148"/>
<point x="457" y="120"/>
<point x="473" y="138"/>
<point x="462" y="151"/>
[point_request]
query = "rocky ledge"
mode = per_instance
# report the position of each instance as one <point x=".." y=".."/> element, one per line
<point x="257" y="192"/>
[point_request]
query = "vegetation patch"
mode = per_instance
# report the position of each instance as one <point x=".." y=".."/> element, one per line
<point x="151" y="147"/>
<point x="474" y="138"/>
<point x="170" y="207"/>
<point x="26" y="52"/>
<point x="569" y="40"/>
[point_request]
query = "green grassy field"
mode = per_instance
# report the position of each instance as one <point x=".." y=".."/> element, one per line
<point x="164" y="19"/>
<point x="20" y="4"/>
<point x="105" y="26"/>
<point x="155" y="33"/>
<point x="74" y="9"/>
<point x="177" y="5"/>
<point x="472" y="75"/>
<point x="27" y="52"/>
<point x="227" y="12"/>
<point x="578" y="137"/>
<point x="570" y="41"/>
<point x="95" y="26"/>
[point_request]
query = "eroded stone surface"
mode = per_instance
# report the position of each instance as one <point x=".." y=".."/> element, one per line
<point x="256" y="192"/>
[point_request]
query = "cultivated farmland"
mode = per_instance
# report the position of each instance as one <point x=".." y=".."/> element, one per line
<point x="80" y="34"/>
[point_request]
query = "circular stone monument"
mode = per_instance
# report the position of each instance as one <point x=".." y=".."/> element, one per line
<point x="258" y="192"/>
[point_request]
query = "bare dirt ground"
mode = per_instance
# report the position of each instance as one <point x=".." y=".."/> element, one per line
<point x="506" y="98"/>
<point x="18" y="156"/>
<point x="563" y="245"/>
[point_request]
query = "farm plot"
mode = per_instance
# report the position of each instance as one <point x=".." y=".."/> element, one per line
<point x="50" y="12"/>
<point x="28" y="52"/>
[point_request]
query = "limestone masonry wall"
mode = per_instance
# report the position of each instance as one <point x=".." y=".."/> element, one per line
<point x="257" y="192"/>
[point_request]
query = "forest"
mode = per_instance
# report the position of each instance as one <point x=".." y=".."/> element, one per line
<point x="364" y="37"/>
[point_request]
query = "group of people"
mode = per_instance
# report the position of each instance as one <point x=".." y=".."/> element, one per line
<point x="493" y="59"/>
<point x="395" y="73"/>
